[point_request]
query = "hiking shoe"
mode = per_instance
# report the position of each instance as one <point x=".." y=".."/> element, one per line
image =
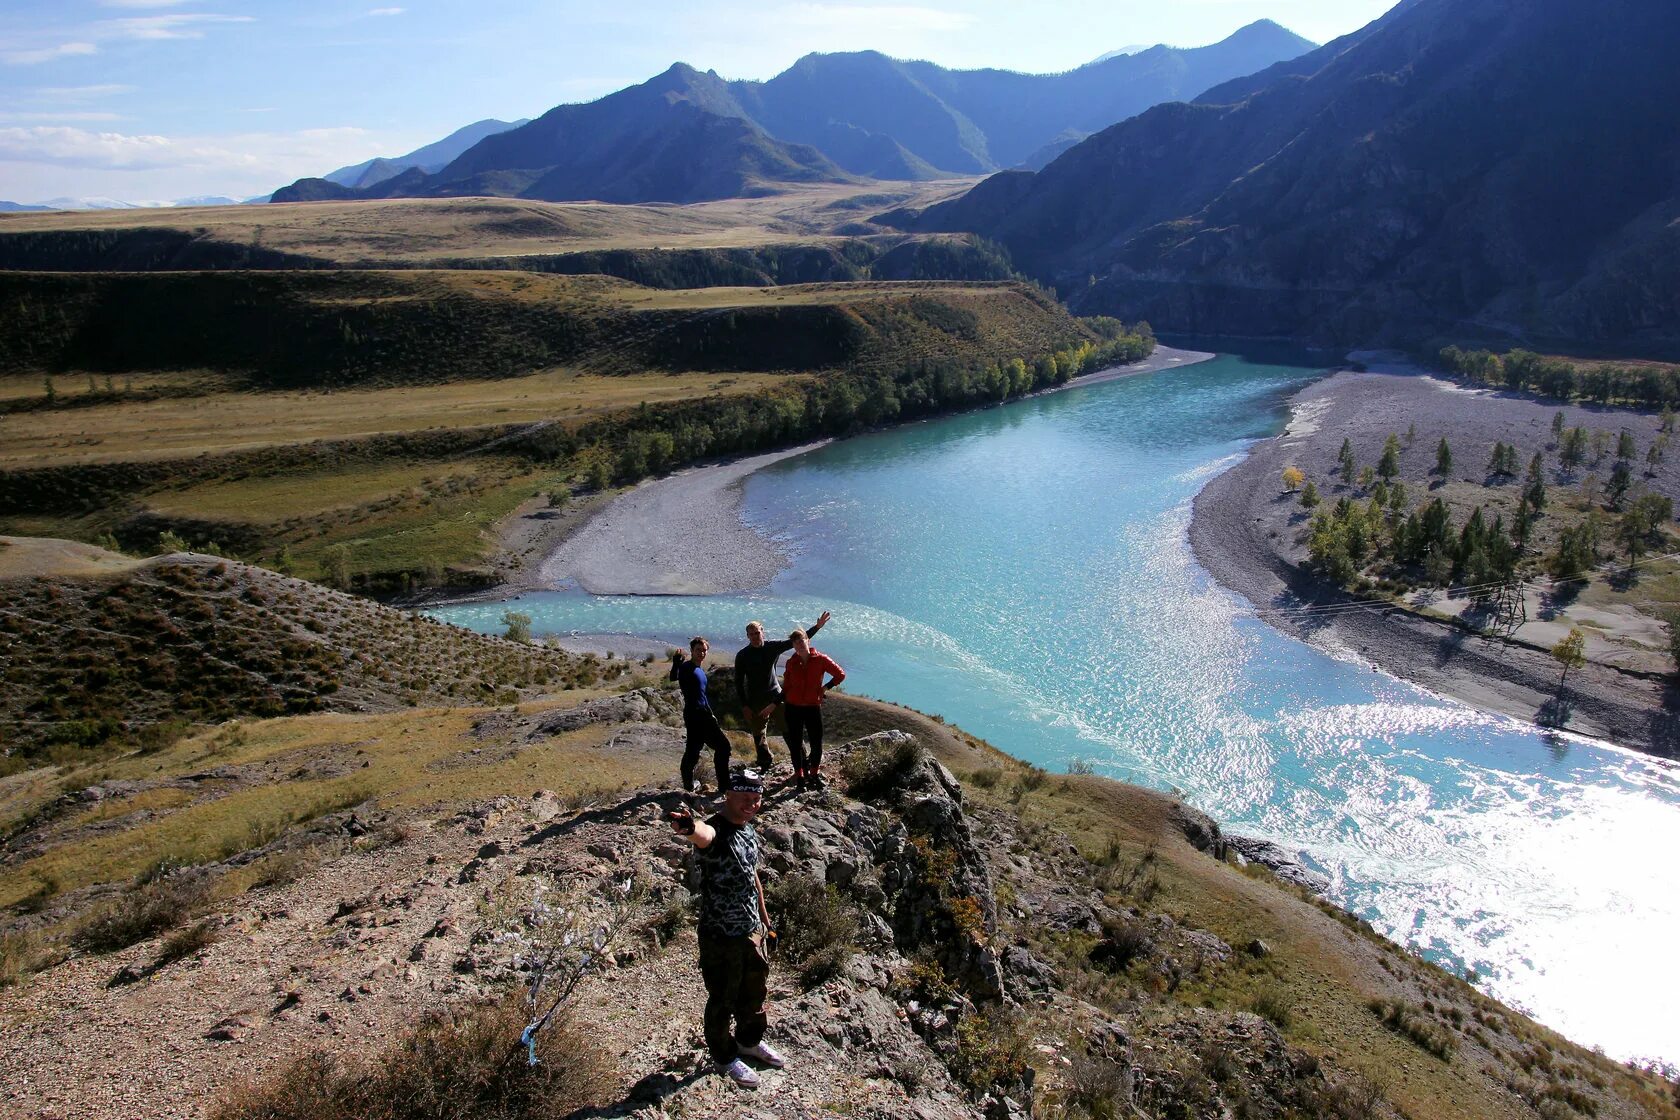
<point x="740" y="1073"/>
<point x="763" y="1052"/>
<point x="765" y="762"/>
<point x="815" y="779"/>
<point x="799" y="780"/>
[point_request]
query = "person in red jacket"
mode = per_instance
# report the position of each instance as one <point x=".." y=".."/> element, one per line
<point x="803" y="689"/>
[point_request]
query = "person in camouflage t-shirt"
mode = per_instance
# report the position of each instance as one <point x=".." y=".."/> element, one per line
<point x="733" y="926"/>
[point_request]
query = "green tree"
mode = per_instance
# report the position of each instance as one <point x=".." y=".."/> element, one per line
<point x="1625" y="448"/>
<point x="1573" y="451"/>
<point x="1309" y="495"/>
<point x="283" y="562"/>
<point x="1621" y="477"/>
<point x="1443" y="459"/>
<point x="171" y="541"/>
<point x="1411" y="434"/>
<point x="1345" y="458"/>
<point x="1534" y="485"/>
<point x="1557" y="425"/>
<point x="599" y="474"/>
<point x="518" y="626"/>
<point x="50" y="389"/>
<point x="1389" y="465"/>
<point x="1570" y="652"/>
<point x="558" y="497"/>
<point x="335" y="566"/>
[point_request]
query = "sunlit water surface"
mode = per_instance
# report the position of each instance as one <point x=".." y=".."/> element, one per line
<point x="1024" y="572"/>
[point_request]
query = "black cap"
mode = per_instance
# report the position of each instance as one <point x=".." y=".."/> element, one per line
<point x="745" y="780"/>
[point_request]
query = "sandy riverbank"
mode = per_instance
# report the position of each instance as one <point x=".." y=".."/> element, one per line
<point x="1249" y="535"/>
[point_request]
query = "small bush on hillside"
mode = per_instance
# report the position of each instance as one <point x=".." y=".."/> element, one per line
<point x="987" y="777"/>
<point x="467" y="1061"/>
<point x="1409" y="1022"/>
<point x="880" y="766"/>
<point x="150" y="907"/>
<point x="991" y="1051"/>
<point x="814" y="925"/>
<point x="1272" y="1002"/>
<point x="18" y="949"/>
<point x="1097" y="1087"/>
<point x="186" y="942"/>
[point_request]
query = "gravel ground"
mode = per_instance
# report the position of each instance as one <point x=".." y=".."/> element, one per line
<point x="678" y="535"/>
<point x="1246" y="532"/>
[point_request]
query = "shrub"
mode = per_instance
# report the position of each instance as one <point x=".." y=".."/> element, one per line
<point x="991" y="1051"/>
<point x="880" y="766"/>
<point x="1272" y="1002"/>
<point x="156" y="903"/>
<point x="463" y="1062"/>
<point x="186" y="942"/>
<point x="1407" y="1021"/>
<point x="1123" y="941"/>
<point x="1081" y="767"/>
<point x="1097" y="1086"/>
<point x="987" y="777"/>
<point x="283" y="867"/>
<point x="18" y="949"/>
<point x="815" y="926"/>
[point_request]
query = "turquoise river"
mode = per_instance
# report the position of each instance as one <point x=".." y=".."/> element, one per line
<point x="1024" y="571"/>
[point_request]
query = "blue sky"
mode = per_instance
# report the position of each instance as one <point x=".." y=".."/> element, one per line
<point x="153" y="99"/>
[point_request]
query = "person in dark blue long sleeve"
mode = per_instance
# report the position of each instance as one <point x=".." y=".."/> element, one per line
<point x="700" y="723"/>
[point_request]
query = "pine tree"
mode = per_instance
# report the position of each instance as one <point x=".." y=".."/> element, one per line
<point x="1621" y="477"/>
<point x="1625" y="448"/>
<point x="1534" y="486"/>
<point x="1443" y="458"/>
<point x="1557" y="425"/>
<point x="1348" y="465"/>
<point x="1389" y="465"/>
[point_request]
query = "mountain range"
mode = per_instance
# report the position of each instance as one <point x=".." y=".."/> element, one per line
<point x="101" y="203"/>
<point x="433" y="157"/>
<point x="1470" y="166"/>
<point x="686" y="135"/>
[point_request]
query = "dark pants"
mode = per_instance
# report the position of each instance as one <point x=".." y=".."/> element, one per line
<point x="804" y="723"/>
<point x="758" y="728"/>
<point x="702" y="729"/>
<point x="737" y="976"/>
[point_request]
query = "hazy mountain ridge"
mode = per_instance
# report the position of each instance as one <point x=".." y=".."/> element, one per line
<point x="688" y="136"/>
<point x="1476" y="166"/>
<point x="430" y="157"/>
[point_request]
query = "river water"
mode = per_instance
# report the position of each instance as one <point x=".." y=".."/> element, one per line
<point x="1024" y="572"/>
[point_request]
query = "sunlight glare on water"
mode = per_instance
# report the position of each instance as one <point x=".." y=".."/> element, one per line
<point x="1024" y="572"/>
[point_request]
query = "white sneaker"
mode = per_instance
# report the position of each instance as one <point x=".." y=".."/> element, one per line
<point x="763" y="1052"/>
<point x="740" y="1073"/>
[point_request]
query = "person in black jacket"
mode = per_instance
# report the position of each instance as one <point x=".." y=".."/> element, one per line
<point x="755" y="683"/>
<point x="700" y="723"/>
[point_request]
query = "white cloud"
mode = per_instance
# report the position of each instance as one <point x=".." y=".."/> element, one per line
<point x="386" y="11"/>
<point x="37" y="55"/>
<point x="270" y="153"/>
<point x="77" y="93"/>
<point x="186" y="25"/>
<point x="143" y="3"/>
<point x="84" y="118"/>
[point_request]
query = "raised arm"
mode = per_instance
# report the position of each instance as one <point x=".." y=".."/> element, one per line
<point x="817" y="625"/>
<point x="698" y="833"/>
